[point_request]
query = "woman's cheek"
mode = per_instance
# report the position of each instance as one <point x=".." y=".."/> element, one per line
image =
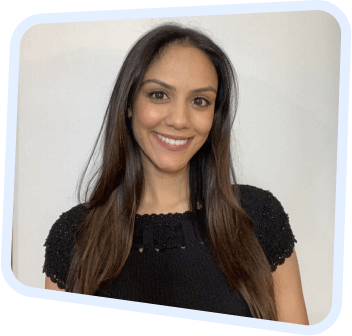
<point x="204" y="123"/>
<point x="149" y="116"/>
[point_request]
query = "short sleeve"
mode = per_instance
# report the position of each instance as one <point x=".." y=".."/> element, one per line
<point x="59" y="245"/>
<point x="274" y="232"/>
<point x="272" y="225"/>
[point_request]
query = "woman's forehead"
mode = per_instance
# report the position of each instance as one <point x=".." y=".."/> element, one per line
<point x="180" y="63"/>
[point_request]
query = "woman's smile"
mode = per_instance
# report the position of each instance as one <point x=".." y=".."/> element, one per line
<point x="166" y="137"/>
<point x="173" y="143"/>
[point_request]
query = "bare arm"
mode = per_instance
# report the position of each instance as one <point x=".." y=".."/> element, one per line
<point x="289" y="298"/>
<point x="51" y="285"/>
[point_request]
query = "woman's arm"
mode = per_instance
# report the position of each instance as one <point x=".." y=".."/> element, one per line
<point x="51" y="285"/>
<point x="288" y="292"/>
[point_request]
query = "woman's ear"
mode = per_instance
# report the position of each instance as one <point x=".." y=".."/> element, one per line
<point x="129" y="112"/>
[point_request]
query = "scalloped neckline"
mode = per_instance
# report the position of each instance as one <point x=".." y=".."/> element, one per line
<point x="168" y="215"/>
<point x="163" y="215"/>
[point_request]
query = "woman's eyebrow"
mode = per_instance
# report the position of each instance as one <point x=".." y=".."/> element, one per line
<point x="170" y="87"/>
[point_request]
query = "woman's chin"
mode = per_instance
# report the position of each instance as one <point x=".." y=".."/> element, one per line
<point x="171" y="168"/>
<point x="165" y="163"/>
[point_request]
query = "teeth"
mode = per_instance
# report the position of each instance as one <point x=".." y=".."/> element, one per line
<point x="171" y="141"/>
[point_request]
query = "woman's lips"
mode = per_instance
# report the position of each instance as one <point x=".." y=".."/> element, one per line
<point x="174" y="137"/>
<point x="171" y="147"/>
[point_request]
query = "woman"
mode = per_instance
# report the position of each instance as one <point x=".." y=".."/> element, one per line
<point x="165" y="221"/>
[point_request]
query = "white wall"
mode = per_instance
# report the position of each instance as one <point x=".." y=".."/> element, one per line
<point x="286" y="128"/>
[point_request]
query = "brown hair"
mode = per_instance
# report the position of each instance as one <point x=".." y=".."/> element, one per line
<point x="104" y="238"/>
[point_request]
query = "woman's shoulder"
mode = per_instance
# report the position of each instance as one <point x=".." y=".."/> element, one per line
<point x="59" y="244"/>
<point x="69" y="219"/>
<point x="252" y="193"/>
<point x="255" y="200"/>
<point x="75" y="213"/>
<point x="67" y="222"/>
<point x="272" y="226"/>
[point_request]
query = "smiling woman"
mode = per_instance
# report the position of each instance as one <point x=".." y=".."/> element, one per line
<point x="165" y="221"/>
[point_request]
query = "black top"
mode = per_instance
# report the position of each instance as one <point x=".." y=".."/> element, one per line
<point x="169" y="263"/>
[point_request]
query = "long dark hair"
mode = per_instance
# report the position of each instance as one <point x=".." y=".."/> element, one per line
<point x="104" y="238"/>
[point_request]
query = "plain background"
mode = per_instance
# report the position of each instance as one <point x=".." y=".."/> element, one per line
<point x="286" y="128"/>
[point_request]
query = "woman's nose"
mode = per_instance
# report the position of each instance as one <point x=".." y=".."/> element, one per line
<point x="178" y="116"/>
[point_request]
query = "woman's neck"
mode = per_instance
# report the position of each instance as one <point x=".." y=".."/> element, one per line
<point x="165" y="193"/>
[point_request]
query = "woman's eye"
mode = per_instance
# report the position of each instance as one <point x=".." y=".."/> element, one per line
<point x="200" y="101"/>
<point x="158" y="95"/>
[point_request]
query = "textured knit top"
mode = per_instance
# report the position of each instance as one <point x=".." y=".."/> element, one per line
<point x="169" y="263"/>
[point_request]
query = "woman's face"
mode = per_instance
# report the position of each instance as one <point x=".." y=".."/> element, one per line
<point x="174" y="109"/>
